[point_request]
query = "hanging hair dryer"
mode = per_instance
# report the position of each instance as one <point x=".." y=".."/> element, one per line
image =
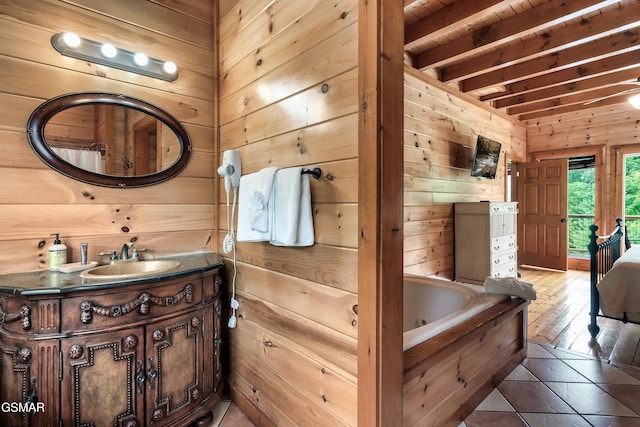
<point x="231" y="170"/>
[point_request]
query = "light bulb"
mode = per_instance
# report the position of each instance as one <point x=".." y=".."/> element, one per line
<point x="169" y="67"/>
<point x="71" y="39"/>
<point x="141" y="59"/>
<point x="635" y="101"/>
<point x="108" y="50"/>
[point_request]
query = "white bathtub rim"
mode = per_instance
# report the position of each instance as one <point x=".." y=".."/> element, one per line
<point x="479" y="302"/>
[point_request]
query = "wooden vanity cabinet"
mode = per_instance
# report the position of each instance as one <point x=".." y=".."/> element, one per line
<point x="136" y="355"/>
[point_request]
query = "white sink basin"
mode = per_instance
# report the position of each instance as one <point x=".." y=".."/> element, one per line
<point x="128" y="270"/>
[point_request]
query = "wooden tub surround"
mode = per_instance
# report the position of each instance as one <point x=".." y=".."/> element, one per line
<point x="138" y="352"/>
<point x="448" y="375"/>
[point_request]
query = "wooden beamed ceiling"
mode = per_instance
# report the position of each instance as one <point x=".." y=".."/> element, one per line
<point x="529" y="58"/>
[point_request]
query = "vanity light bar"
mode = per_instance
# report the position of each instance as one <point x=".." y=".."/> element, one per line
<point x="71" y="45"/>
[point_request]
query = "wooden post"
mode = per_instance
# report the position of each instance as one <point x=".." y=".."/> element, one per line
<point x="380" y="208"/>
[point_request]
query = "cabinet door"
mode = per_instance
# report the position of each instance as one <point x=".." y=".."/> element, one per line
<point x="174" y="367"/>
<point x="100" y="384"/>
<point x="15" y="375"/>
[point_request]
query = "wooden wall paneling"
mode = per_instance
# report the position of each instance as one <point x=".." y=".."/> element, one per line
<point x="253" y="28"/>
<point x="328" y="396"/>
<point x="333" y="349"/>
<point x="43" y="82"/>
<point x="326" y="305"/>
<point x="248" y="396"/>
<point x="235" y="15"/>
<point x="275" y="111"/>
<point x="198" y="10"/>
<point x="334" y="224"/>
<point x="201" y="137"/>
<point x="17" y="152"/>
<point x="293" y="44"/>
<point x="303" y="109"/>
<point x="33" y="43"/>
<point x="225" y="7"/>
<point x="380" y="70"/>
<point x="319" y="143"/>
<point x="176" y="215"/>
<point x="47" y="186"/>
<point x="156" y="18"/>
<point x="599" y="126"/>
<point x="439" y="387"/>
<point x="265" y="391"/>
<point x="313" y="66"/>
<point x="330" y="265"/>
<point x="439" y="139"/>
<point x="101" y="219"/>
<point x="202" y="164"/>
<point x="31" y="254"/>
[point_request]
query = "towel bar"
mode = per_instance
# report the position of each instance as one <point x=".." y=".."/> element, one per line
<point x="315" y="172"/>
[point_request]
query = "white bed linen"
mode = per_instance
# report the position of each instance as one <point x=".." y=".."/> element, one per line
<point x="620" y="288"/>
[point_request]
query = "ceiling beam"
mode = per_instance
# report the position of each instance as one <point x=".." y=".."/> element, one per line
<point x="623" y="17"/>
<point x="575" y="107"/>
<point x="457" y="13"/>
<point x="583" y="98"/>
<point x="547" y="14"/>
<point x="609" y="79"/>
<point x="614" y="63"/>
<point x="616" y="44"/>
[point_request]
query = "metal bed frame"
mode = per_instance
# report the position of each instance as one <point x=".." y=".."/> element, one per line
<point x="603" y="255"/>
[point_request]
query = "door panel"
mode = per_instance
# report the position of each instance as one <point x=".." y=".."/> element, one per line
<point x="542" y="230"/>
<point x="99" y="385"/>
<point x="174" y="356"/>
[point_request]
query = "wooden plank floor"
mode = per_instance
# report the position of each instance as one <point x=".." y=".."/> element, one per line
<point x="560" y="315"/>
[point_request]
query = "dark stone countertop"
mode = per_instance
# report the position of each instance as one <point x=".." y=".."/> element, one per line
<point x="54" y="283"/>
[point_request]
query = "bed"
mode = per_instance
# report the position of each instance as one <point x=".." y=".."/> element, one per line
<point x="615" y="278"/>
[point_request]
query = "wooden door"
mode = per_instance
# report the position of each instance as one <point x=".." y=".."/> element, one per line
<point x="174" y="367"/>
<point x="100" y="382"/>
<point x="542" y="202"/>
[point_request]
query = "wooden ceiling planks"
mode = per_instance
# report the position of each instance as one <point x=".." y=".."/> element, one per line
<point x="529" y="58"/>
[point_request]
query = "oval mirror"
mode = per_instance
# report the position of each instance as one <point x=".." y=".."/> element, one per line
<point x="108" y="139"/>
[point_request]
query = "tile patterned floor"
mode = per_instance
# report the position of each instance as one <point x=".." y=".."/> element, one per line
<point x="551" y="388"/>
<point x="555" y="387"/>
<point x="226" y="414"/>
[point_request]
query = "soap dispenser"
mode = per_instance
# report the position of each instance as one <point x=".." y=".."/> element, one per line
<point x="57" y="253"/>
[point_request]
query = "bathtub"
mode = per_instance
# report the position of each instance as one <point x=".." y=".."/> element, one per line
<point x="432" y="306"/>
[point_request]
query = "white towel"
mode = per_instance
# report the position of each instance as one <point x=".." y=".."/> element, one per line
<point x="292" y="217"/>
<point x="509" y="286"/>
<point x="84" y="159"/>
<point x="255" y="205"/>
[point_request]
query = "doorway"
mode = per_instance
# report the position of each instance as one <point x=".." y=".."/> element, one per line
<point x="145" y="149"/>
<point x="591" y="158"/>
<point x="581" y="192"/>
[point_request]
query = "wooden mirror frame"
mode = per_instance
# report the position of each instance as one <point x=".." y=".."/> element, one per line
<point x="41" y="116"/>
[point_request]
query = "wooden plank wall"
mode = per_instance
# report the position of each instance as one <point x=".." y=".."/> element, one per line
<point x="440" y="134"/>
<point x="176" y="216"/>
<point x="612" y="130"/>
<point x="288" y="97"/>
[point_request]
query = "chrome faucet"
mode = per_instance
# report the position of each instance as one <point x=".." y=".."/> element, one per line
<point x="124" y="252"/>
